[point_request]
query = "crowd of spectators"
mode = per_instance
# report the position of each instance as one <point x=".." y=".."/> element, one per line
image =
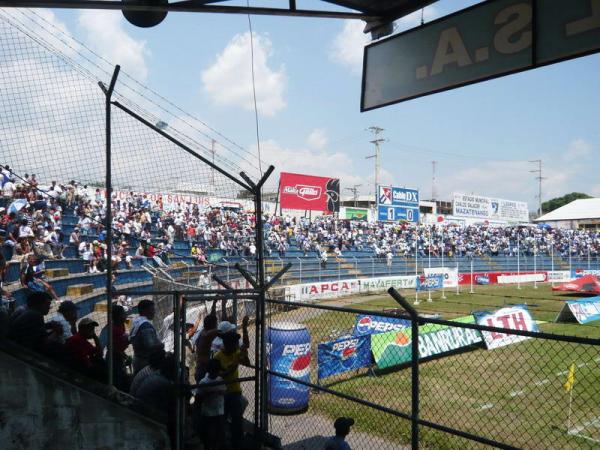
<point x="35" y="228"/>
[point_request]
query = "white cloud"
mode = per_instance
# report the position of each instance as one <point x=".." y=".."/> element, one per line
<point x="347" y="46"/>
<point x="105" y="33"/>
<point x="317" y="139"/>
<point x="311" y="162"/>
<point x="578" y="149"/>
<point x="229" y="80"/>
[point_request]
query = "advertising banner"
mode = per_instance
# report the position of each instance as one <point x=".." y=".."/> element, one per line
<point x="487" y="208"/>
<point x="394" y="348"/>
<point x="308" y="192"/>
<point x="367" y="324"/>
<point x="380" y="284"/>
<point x="512" y="318"/>
<point x="487" y="40"/>
<point x="581" y="311"/>
<point x="450" y="275"/>
<point x="320" y="290"/>
<point x="343" y="355"/>
<point x="356" y="214"/>
<point x="559" y="275"/>
<point x="578" y="273"/>
<point x="522" y="278"/>
<point x="429" y="283"/>
<point x="484" y="278"/>
<point x="395" y="203"/>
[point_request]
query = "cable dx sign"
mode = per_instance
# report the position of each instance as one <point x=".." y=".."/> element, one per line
<point x="485" y="41"/>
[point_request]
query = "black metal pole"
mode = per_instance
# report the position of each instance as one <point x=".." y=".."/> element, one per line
<point x="177" y="350"/>
<point x="108" y="94"/>
<point x="414" y="365"/>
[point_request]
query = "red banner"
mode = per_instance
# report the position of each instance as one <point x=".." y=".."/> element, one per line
<point x="297" y="191"/>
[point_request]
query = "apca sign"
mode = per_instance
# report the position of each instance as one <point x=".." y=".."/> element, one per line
<point x="513" y="318"/>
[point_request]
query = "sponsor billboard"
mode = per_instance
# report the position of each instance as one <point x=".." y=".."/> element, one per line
<point x="487" y="40"/>
<point x="581" y="311"/>
<point x="356" y="214"/>
<point x="396" y="203"/>
<point x="319" y="290"/>
<point x="488" y="208"/>
<point x="308" y="192"/>
<point x="394" y="348"/>
<point x="450" y="275"/>
<point x="371" y="324"/>
<point x="384" y="283"/>
<point x="430" y="282"/>
<point x="512" y="318"/>
<point x="484" y="278"/>
<point x="343" y="355"/>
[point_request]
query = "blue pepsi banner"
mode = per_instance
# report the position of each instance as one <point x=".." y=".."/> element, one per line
<point x="430" y="282"/>
<point x="366" y="325"/>
<point x="395" y="203"/>
<point x="343" y="355"/>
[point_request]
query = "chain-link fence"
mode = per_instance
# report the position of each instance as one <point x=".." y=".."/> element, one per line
<point x="507" y="384"/>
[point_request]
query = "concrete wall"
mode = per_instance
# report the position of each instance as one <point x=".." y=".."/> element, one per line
<point x="39" y="410"/>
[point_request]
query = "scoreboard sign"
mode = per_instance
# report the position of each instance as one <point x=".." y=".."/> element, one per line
<point x="395" y="204"/>
<point x="488" y="40"/>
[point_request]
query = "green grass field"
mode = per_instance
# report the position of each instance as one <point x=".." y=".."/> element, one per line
<point x="513" y="394"/>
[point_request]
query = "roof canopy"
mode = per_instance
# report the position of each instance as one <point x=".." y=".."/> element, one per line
<point x="585" y="208"/>
<point x="370" y="10"/>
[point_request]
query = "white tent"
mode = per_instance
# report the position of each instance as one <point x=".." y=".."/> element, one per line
<point x="585" y="210"/>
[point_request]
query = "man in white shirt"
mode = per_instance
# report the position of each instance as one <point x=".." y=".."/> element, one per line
<point x="67" y="318"/>
<point x="8" y="189"/>
<point x="212" y="409"/>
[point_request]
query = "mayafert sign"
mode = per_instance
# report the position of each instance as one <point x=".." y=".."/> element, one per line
<point x="485" y="41"/>
<point x="394" y="348"/>
<point x="513" y="318"/>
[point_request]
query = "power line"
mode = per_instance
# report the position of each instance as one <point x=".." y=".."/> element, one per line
<point x="539" y="177"/>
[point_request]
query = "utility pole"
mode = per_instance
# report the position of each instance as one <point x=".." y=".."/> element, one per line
<point x="212" y="151"/>
<point x="539" y="177"/>
<point x="354" y="190"/>
<point x="433" y="190"/>
<point x="377" y="141"/>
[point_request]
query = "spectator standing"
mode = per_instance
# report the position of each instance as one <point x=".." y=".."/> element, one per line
<point x="143" y="337"/>
<point x="212" y="409"/>
<point x="120" y="343"/>
<point x="84" y="356"/>
<point x="230" y="358"/>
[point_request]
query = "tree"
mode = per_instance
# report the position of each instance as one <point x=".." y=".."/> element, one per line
<point x="557" y="202"/>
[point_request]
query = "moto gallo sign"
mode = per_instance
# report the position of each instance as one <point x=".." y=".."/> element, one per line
<point x="488" y="40"/>
<point x="307" y="192"/>
<point x="394" y="348"/>
<point x="513" y="318"/>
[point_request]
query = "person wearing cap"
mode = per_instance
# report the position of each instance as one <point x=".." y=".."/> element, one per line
<point x="230" y="358"/>
<point x="143" y="336"/>
<point x="83" y="355"/>
<point x="67" y="318"/>
<point x="342" y="429"/>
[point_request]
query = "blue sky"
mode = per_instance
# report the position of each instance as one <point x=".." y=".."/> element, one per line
<point x="308" y="87"/>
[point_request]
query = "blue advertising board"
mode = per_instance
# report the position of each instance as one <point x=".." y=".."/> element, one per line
<point x="395" y="203"/>
<point x="430" y="282"/>
<point x="367" y="324"/>
<point x="581" y="311"/>
<point x="343" y="355"/>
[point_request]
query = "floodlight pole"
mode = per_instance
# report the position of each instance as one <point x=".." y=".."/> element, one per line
<point x="108" y="185"/>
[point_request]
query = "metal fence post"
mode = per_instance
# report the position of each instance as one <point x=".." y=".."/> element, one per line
<point x="372" y="267"/>
<point x="414" y="365"/>
<point x="177" y="350"/>
<point x="299" y="259"/>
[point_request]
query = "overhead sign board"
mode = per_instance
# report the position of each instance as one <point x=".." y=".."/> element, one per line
<point x="395" y="204"/>
<point x="487" y="208"/>
<point x="308" y="192"/>
<point x="485" y="41"/>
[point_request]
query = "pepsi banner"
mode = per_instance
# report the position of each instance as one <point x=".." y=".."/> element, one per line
<point x="395" y="203"/>
<point x="366" y="325"/>
<point x="429" y="283"/>
<point x="511" y="318"/>
<point x="343" y="355"/>
<point x="308" y="192"/>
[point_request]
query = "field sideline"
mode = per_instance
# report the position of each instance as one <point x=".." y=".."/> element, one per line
<point x="513" y="394"/>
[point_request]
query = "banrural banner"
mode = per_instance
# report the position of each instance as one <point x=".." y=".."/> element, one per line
<point x="343" y="355"/>
<point x="450" y="275"/>
<point x="394" y="348"/>
<point x="583" y="311"/>
<point x="372" y="324"/>
<point x="429" y="283"/>
<point x="512" y="318"/>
